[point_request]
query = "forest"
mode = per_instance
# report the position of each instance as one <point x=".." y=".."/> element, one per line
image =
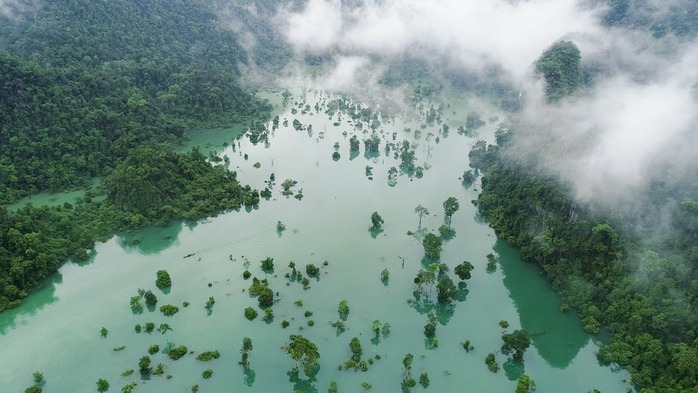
<point x="644" y="295"/>
<point x="95" y="89"/>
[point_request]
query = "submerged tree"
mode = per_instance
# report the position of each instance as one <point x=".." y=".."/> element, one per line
<point x="304" y="353"/>
<point x="463" y="270"/>
<point x="450" y="207"/>
<point x="245" y="351"/>
<point x="518" y="341"/>
<point x="376" y="220"/>
<point x="432" y="246"/>
<point x="445" y="290"/>
<point x="421" y="211"/>
<point x="163" y="279"/>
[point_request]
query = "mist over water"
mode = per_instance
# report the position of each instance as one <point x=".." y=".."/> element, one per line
<point x="630" y="126"/>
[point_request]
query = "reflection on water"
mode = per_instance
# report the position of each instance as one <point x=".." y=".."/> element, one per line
<point x="37" y="300"/>
<point x="152" y="240"/>
<point x="557" y="337"/>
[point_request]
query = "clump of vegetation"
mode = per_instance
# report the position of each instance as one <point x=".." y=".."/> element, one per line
<point x="177" y="353"/>
<point x="343" y="310"/>
<point x="491" y="363"/>
<point x="311" y="270"/>
<point x="491" y="262"/>
<point x="163" y="279"/>
<point x="268" y="264"/>
<point x="150" y="298"/>
<point x="287" y="185"/>
<point x="250" y="313"/>
<point x="463" y="270"/>
<point x="518" y="341"/>
<point x="208" y="373"/>
<point x="208" y="356"/>
<point x="467" y="346"/>
<point x="154" y="349"/>
<point x="376" y="221"/>
<point x="102" y="385"/>
<point x="209" y="303"/>
<point x="245" y="351"/>
<point x="169" y="310"/>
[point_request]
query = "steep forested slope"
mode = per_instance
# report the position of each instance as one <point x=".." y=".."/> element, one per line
<point x="85" y="82"/>
<point x="646" y="297"/>
<point x="93" y="89"/>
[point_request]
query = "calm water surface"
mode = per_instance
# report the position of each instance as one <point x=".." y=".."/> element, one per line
<point x="57" y="329"/>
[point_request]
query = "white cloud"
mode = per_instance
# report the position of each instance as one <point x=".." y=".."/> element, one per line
<point x="471" y="33"/>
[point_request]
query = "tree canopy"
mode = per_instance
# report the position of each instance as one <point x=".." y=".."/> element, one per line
<point x="560" y="67"/>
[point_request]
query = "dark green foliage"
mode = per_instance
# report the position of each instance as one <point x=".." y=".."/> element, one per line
<point x="430" y="327"/>
<point x="161" y="185"/>
<point x="245" y="351"/>
<point x="518" y="341"/>
<point x="432" y="246"/>
<point x="144" y="365"/>
<point x="177" y="353"/>
<point x="169" y="310"/>
<point x="372" y="145"/>
<point x="38" y="377"/>
<point x="149" y="327"/>
<point x="343" y="310"/>
<point x="209" y="303"/>
<point x="268" y="264"/>
<point x="355" y="347"/>
<point x="463" y="270"/>
<point x="103" y="332"/>
<point x="121" y="93"/>
<point x="304" y="352"/>
<point x="250" y="313"/>
<point x="354" y="144"/>
<point x="491" y="362"/>
<point x="467" y="346"/>
<point x="154" y="349"/>
<point x="445" y="290"/>
<point x="649" y="312"/>
<point x="376" y="220"/>
<point x="208" y="356"/>
<point x="311" y="270"/>
<point x="525" y="384"/>
<point x="266" y="298"/>
<point x="451" y="206"/>
<point x="34" y="389"/>
<point x="150" y="298"/>
<point x="208" y="373"/>
<point x="268" y="315"/>
<point x="163" y="279"/>
<point x="424" y="380"/>
<point x="102" y="385"/>
<point x="560" y="67"/>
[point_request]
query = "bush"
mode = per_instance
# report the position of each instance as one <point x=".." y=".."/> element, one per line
<point x="150" y="298"/>
<point x="163" y="279"/>
<point x="169" y="310"/>
<point x="102" y="385"/>
<point x="250" y="313"/>
<point x="176" y="353"/>
<point x="208" y="356"/>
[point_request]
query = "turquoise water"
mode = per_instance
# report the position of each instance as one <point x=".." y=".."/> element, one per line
<point x="57" y="329"/>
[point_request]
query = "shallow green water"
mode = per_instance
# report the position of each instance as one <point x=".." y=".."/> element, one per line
<point x="57" y="330"/>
